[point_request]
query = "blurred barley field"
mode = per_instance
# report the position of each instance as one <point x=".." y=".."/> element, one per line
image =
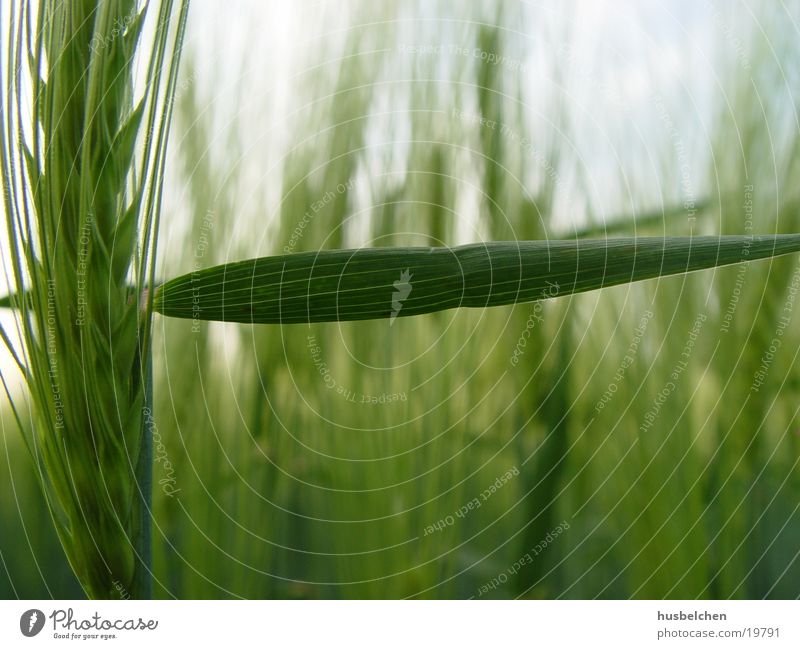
<point x="635" y="442"/>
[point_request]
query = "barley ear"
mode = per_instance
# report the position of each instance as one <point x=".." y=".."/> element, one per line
<point x="83" y="143"/>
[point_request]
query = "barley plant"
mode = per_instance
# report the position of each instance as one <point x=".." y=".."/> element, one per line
<point x="82" y="209"/>
<point x="287" y="489"/>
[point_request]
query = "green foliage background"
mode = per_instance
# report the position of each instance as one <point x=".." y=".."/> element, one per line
<point x="286" y="481"/>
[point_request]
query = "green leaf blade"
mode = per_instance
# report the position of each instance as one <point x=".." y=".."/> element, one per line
<point x="372" y="283"/>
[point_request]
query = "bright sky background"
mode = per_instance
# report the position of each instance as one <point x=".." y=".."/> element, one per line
<point x="621" y="53"/>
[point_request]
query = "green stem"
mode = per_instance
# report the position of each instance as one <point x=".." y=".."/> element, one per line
<point x="142" y="586"/>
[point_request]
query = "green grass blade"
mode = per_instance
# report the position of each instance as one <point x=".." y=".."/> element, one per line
<point x="373" y="283"/>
